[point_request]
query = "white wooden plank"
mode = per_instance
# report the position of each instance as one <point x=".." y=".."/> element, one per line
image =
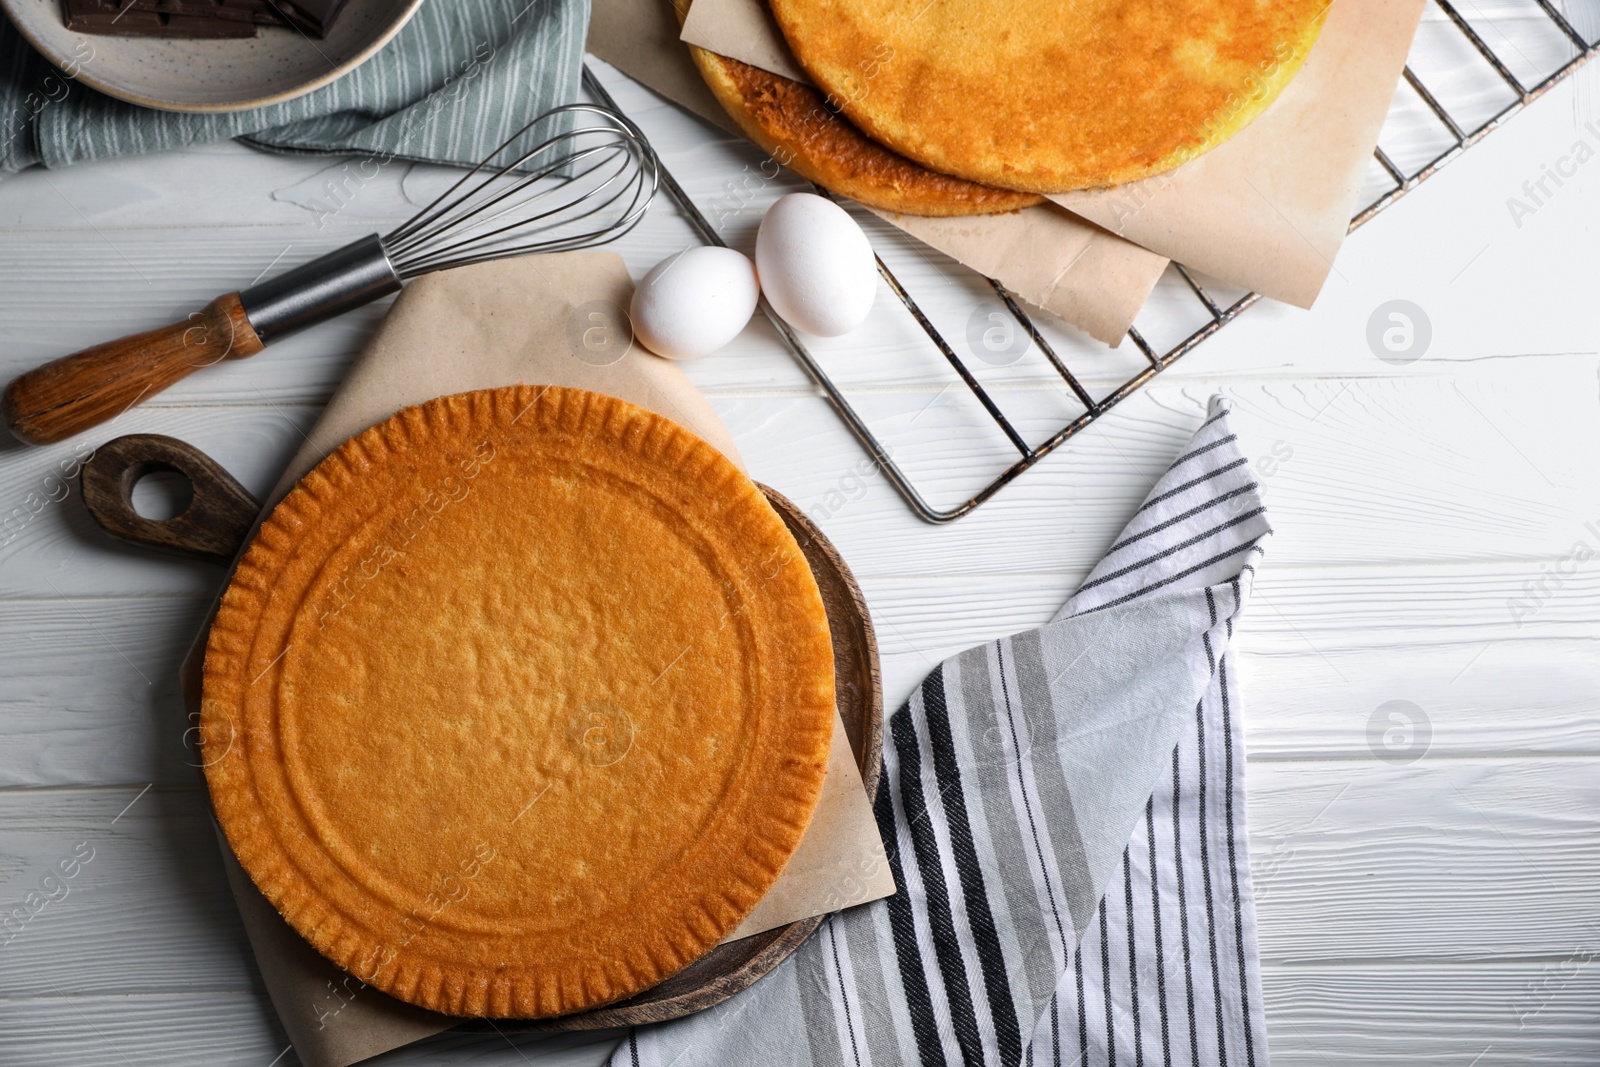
<point x="1356" y="473"/>
<point x="1505" y="1015"/>
<point x="1319" y="650"/>
<point x="1437" y="859"/>
<point x="141" y="949"/>
<point x="1362" y="613"/>
<point x="148" y="911"/>
<point x="1457" y="860"/>
<point x="1532" y="1012"/>
<point x="97" y="704"/>
<point x="116" y="1030"/>
<point x="1531" y="696"/>
<point x="1421" y="469"/>
<point x="205" y="1029"/>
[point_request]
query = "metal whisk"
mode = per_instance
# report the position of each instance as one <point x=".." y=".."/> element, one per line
<point x="575" y="177"/>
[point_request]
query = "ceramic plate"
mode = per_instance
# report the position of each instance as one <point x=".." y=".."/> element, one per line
<point x="278" y="64"/>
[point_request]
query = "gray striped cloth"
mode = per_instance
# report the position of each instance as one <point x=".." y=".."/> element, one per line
<point x="453" y="84"/>
<point x="1064" y="816"/>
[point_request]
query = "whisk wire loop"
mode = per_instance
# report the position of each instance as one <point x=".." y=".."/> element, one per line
<point x="567" y="166"/>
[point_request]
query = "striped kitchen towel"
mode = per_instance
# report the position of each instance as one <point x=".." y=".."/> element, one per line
<point x="456" y="81"/>
<point x="1064" y="816"/>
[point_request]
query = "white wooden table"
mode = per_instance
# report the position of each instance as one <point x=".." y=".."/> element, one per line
<point x="1435" y="524"/>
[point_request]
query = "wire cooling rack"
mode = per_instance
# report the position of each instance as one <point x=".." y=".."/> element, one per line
<point x="1450" y="135"/>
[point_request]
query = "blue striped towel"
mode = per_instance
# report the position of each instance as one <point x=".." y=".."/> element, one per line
<point x="454" y="83"/>
<point x="1064" y="816"/>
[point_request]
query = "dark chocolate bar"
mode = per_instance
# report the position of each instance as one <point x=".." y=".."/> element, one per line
<point x="191" y="18"/>
<point x="262" y="12"/>
<point x="121" y="18"/>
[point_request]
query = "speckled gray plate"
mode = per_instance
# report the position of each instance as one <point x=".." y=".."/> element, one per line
<point x="278" y="64"/>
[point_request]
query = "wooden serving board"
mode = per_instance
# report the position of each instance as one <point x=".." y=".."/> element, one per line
<point x="215" y="527"/>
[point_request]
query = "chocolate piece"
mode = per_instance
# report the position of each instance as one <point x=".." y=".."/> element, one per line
<point x="313" y="16"/>
<point x="121" y="18"/>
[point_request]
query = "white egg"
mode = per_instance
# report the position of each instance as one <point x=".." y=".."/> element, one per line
<point x="694" y="302"/>
<point x="816" y="265"/>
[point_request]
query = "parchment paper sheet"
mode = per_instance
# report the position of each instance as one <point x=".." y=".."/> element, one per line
<point x="1052" y="259"/>
<point x="1267" y="209"/>
<point x="519" y="320"/>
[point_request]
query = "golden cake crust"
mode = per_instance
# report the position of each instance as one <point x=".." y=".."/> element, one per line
<point x="793" y="123"/>
<point x="1051" y="97"/>
<point x="518" y="702"/>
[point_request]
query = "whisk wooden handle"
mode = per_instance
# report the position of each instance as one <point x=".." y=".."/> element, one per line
<point x="71" y="394"/>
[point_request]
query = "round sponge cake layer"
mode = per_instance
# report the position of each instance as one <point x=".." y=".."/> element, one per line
<point x="1049" y="96"/>
<point x="519" y="702"/>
